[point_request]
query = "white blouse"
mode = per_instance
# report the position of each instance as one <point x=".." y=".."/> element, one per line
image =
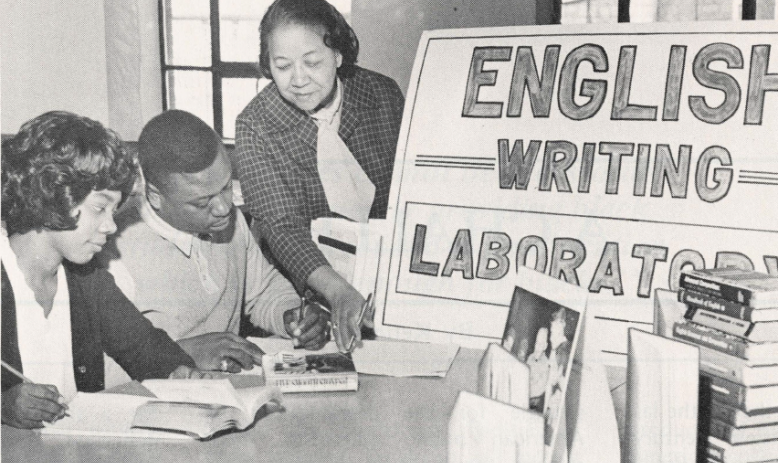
<point x="45" y="343"/>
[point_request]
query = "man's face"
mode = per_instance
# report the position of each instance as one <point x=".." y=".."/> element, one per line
<point x="199" y="202"/>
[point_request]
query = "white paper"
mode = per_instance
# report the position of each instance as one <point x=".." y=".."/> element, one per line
<point x="105" y="415"/>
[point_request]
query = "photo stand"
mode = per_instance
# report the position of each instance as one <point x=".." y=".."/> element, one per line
<point x="662" y="399"/>
<point x="482" y="429"/>
<point x="543" y="330"/>
<point x="502" y="377"/>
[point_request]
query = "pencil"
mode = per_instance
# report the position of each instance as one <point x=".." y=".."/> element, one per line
<point x="25" y="379"/>
<point x="365" y="306"/>
<point x="16" y="373"/>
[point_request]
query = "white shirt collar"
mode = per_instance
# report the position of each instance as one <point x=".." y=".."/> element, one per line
<point x="182" y="240"/>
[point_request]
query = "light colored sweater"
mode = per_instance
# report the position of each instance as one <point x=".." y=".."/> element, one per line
<point x="189" y="285"/>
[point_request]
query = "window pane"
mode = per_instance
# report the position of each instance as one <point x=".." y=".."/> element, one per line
<point x="236" y="94"/>
<point x="589" y="11"/>
<point x="187" y="32"/>
<point x="191" y="91"/>
<point x="239" y="29"/>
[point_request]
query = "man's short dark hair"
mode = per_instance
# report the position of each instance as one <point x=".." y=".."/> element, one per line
<point x="176" y="142"/>
<point x="52" y="165"/>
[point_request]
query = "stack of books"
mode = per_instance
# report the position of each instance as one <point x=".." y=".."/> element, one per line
<point x="732" y="316"/>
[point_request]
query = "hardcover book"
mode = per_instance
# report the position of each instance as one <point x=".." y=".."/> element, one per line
<point x="732" y="415"/>
<point x="306" y="372"/>
<point x="751" y="452"/>
<point x="756" y="353"/>
<point x="756" y="332"/>
<point x="749" y="399"/>
<point x="728" y="308"/>
<point x="756" y="289"/>
<point x="735" y="435"/>
<point x="736" y="369"/>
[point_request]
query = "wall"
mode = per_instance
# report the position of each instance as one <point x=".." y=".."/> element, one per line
<point x="53" y="57"/>
<point x="96" y="58"/>
<point x="389" y="30"/>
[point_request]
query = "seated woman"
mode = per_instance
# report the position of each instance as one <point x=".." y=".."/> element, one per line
<point x="63" y="176"/>
<point x="318" y="141"/>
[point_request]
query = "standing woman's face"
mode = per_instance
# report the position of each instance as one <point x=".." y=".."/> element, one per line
<point x="302" y="66"/>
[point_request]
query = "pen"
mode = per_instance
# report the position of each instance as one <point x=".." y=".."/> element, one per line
<point x="365" y="306"/>
<point x="25" y="379"/>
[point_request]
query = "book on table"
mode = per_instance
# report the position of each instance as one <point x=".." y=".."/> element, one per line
<point x="747" y="398"/>
<point x="753" y="331"/>
<point x="173" y="409"/>
<point x="310" y="372"/>
<point x="739" y="435"/>
<point x="757" y="353"/>
<point x="755" y="289"/>
<point x="736" y="369"/>
<point x="732" y="415"/>
<point x="725" y="307"/>
<point x="751" y="452"/>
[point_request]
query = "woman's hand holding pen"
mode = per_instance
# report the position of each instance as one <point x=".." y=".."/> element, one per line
<point x="308" y="325"/>
<point x="28" y="405"/>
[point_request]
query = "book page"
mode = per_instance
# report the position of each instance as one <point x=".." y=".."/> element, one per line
<point x="203" y="391"/>
<point x="107" y="415"/>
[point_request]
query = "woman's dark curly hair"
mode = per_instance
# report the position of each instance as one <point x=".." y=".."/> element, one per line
<point x="338" y="35"/>
<point x="52" y="165"/>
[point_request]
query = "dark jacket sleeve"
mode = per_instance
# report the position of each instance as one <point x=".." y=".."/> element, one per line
<point x="127" y="336"/>
<point x="10" y="344"/>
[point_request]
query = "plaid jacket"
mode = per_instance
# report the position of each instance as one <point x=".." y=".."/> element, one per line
<point x="276" y="152"/>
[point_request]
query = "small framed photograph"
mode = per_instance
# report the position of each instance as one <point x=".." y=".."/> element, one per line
<point x="542" y="330"/>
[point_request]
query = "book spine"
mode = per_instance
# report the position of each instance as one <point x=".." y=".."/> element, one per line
<point x="720" y="430"/>
<point x="721" y="306"/>
<point x="716" y="289"/>
<point x="723" y="413"/>
<point x="716" y="321"/>
<point x="714" y="451"/>
<point x="716" y="341"/>
<point x="725" y="391"/>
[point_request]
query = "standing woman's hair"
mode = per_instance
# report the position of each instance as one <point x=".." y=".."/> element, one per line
<point x="52" y="165"/>
<point x="338" y="35"/>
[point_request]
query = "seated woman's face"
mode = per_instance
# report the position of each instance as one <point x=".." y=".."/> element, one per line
<point x="95" y="223"/>
<point x="302" y="66"/>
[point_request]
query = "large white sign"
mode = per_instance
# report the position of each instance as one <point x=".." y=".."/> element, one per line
<point x="610" y="160"/>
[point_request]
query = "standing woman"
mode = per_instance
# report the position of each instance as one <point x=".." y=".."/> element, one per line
<point x="63" y="177"/>
<point x="318" y="141"/>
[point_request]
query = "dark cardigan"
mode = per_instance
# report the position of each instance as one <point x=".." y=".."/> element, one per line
<point x="102" y="320"/>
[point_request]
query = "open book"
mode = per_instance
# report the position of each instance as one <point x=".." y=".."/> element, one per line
<point x="181" y="409"/>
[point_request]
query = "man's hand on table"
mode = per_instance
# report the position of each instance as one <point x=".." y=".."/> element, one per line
<point x="222" y="352"/>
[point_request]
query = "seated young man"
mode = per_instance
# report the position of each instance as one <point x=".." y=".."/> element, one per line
<point x="187" y="259"/>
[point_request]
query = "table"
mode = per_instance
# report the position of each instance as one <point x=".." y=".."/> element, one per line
<point x="389" y="419"/>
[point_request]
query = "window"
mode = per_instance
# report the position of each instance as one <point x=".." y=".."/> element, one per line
<point x="646" y="11"/>
<point x="210" y="50"/>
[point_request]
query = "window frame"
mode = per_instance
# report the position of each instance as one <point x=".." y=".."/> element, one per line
<point x="219" y="69"/>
